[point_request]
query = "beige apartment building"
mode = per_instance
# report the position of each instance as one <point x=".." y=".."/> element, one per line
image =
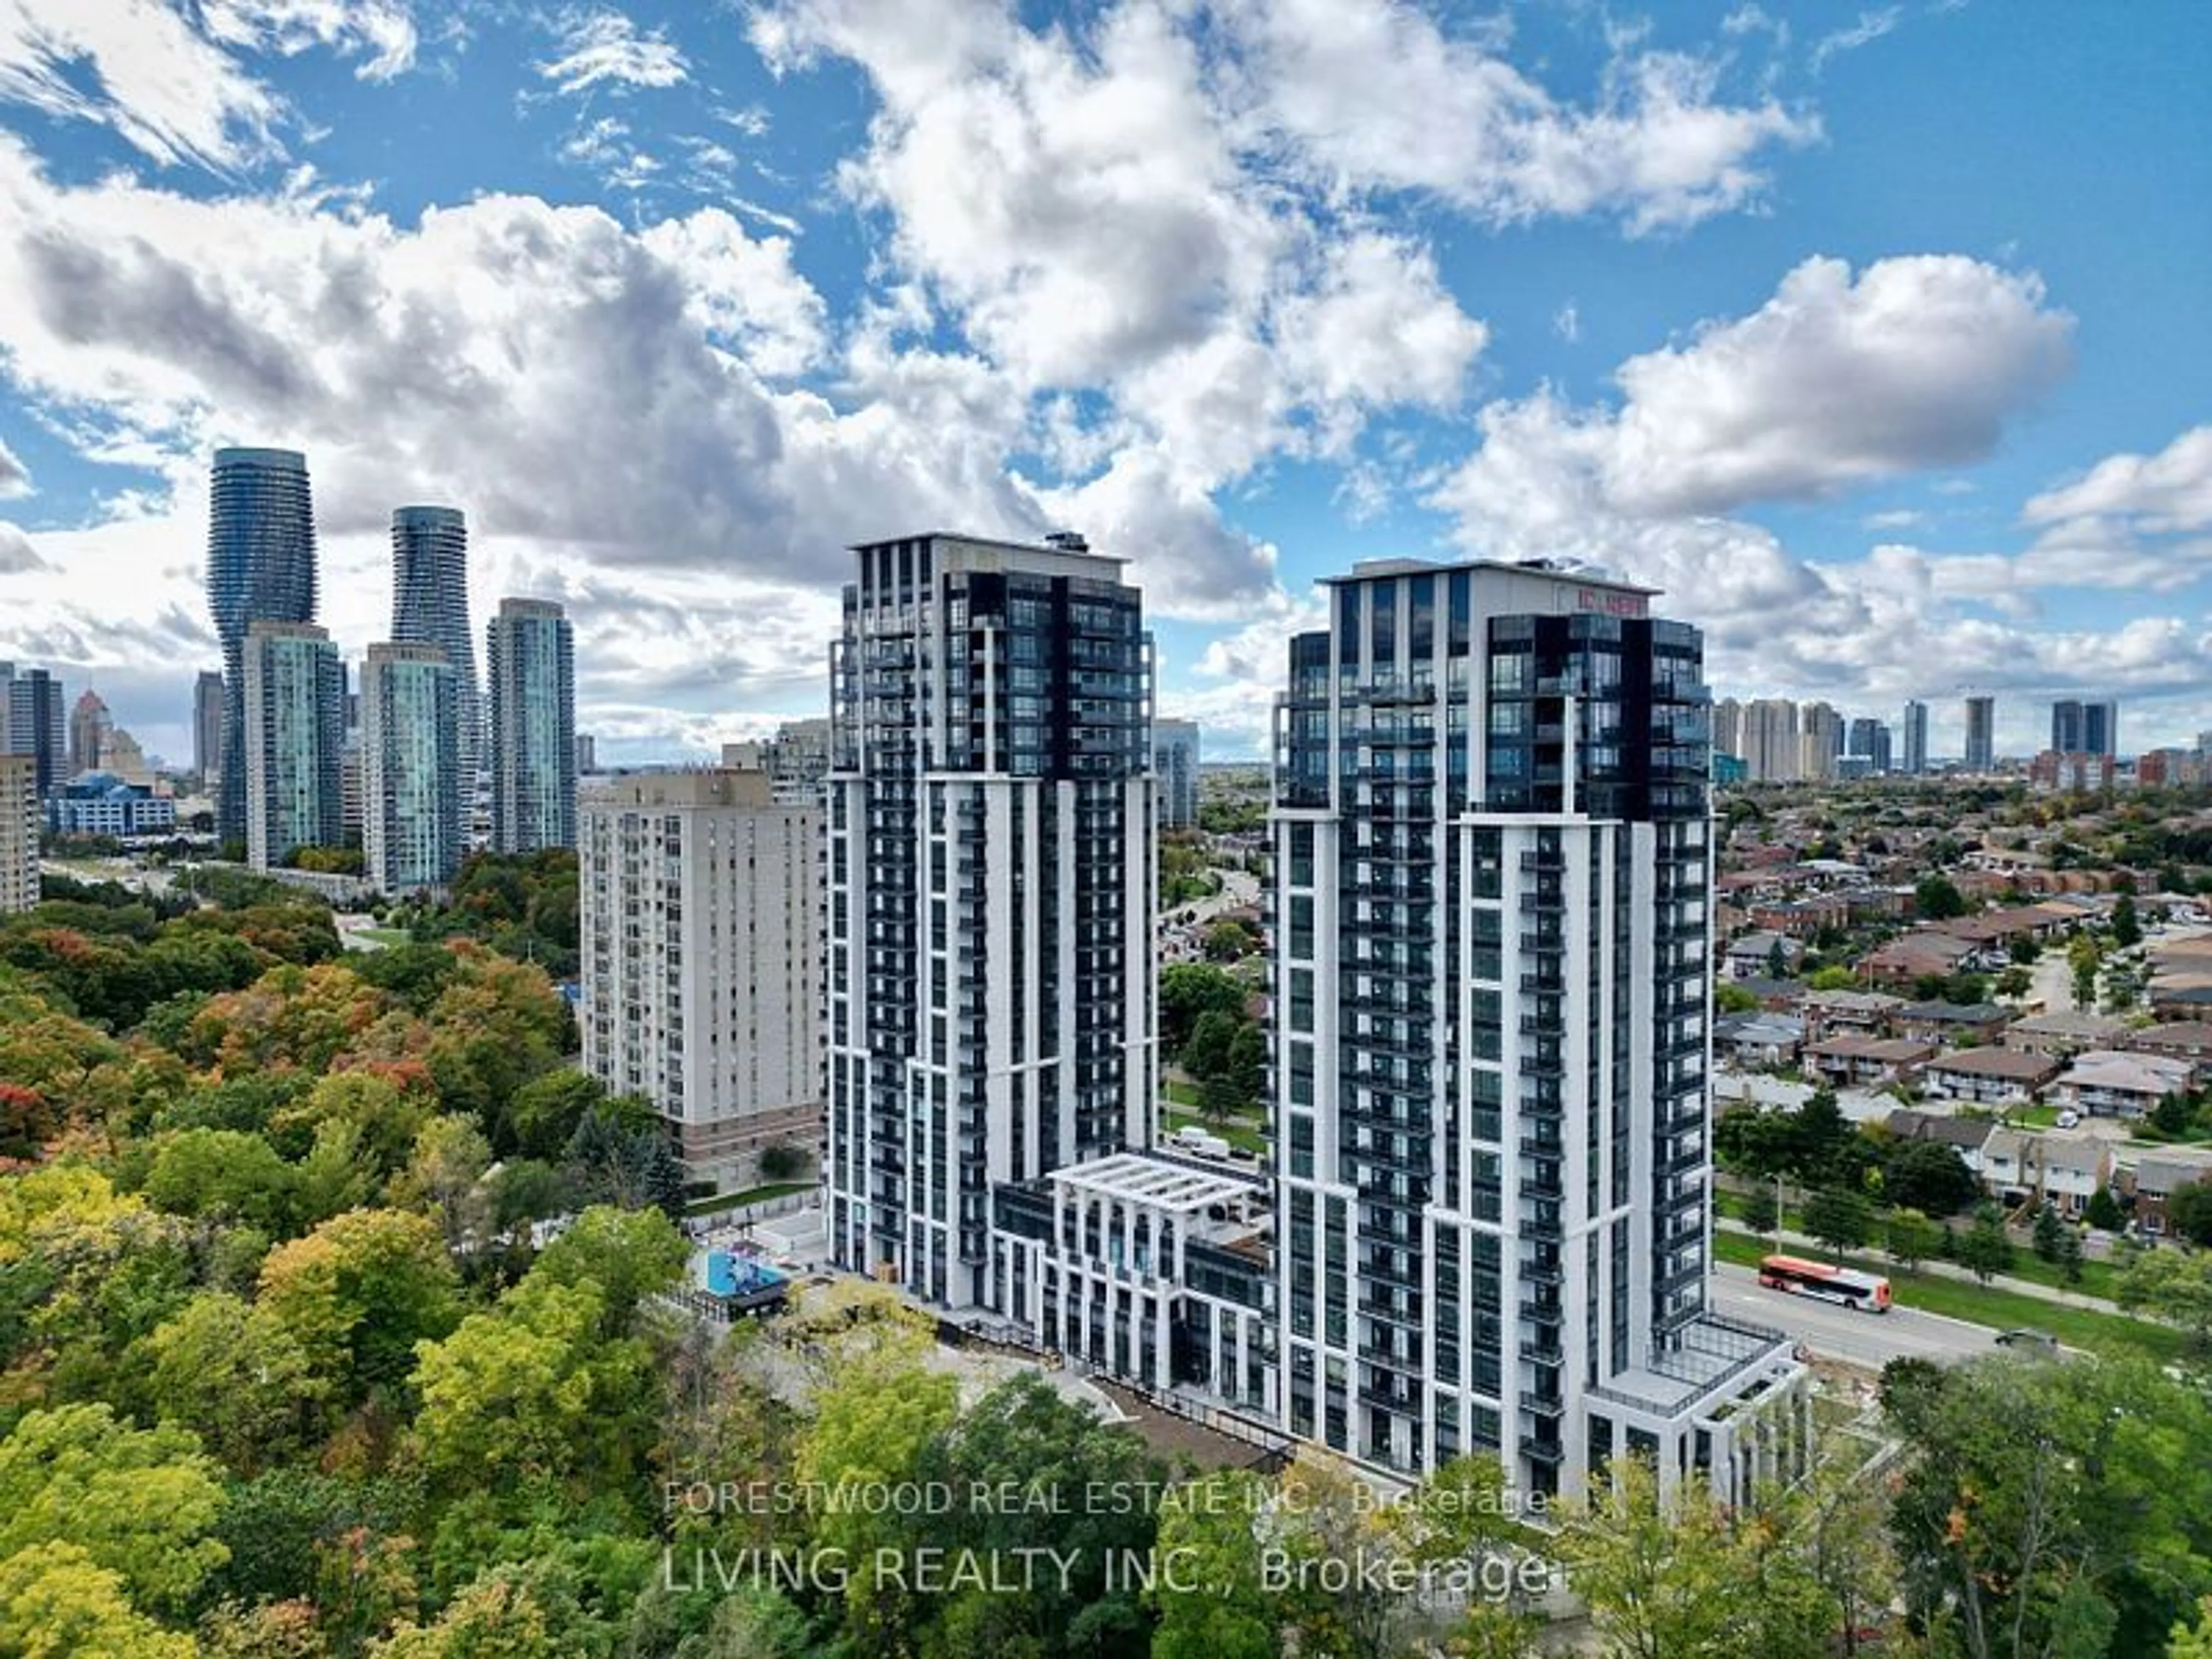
<point x="702" y="962"/>
<point x="19" y="833"/>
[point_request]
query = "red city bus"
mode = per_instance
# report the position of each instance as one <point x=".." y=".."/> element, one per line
<point x="1802" y="1278"/>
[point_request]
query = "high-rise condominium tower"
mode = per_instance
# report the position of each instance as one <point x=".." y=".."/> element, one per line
<point x="1981" y="754"/>
<point x="2084" y="728"/>
<point x="1175" y="772"/>
<point x="430" y="606"/>
<point x="700" y="919"/>
<point x="1916" y="738"/>
<point x="530" y="653"/>
<point x="991" y="882"/>
<point x="1869" y="741"/>
<point x="294" y="685"/>
<point x="261" y="567"/>
<point x="1493" y="851"/>
<point x="411" y="779"/>
<point x="38" y="726"/>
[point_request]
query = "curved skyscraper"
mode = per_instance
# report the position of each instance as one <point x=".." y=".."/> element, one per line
<point x="430" y="606"/>
<point x="261" y="567"/>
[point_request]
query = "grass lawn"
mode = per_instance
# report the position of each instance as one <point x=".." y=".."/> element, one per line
<point x="1991" y="1305"/>
<point x="2098" y="1278"/>
<point x="1237" y="1132"/>
<point x="2034" y="1117"/>
<point x="1183" y="1094"/>
<point x="750" y="1195"/>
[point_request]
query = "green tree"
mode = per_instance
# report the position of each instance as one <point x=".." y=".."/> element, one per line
<point x="232" y="1375"/>
<point x="1911" y="1238"/>
<point x="2046" y="1238"/>
<point x="1227" y="940"/>
<point x="138" y="1502"/>
<point x="1839" y="1219"/>
<point x="1927" y="1175"/>
<point x="1214" y="1605"/>
<point x="1757" y="1209"/>
<point x="2188" y="1211"/>
<point x="1734" y="1000"/>
<point x="359" y="1292"/>
<point x="2175" y="1285"/>
<point x="1937" y="899"/>
<point x="2047" y="1508"/>
<point x="2103" y="1212"/>
<point x="444" y="1177"/>
<point x="223" y="1175"/>
<point x="609" y="1161"/>
<point x="1206" y="1052"/>
<point x="628" y="1254"/>
<point x="1189" y="990"/>
<point x="1831" y="978"/>
<point x="497" y="1617"/>
<point x="56" y="1602"/>
<point x="1984" y="1249"/>
<point x="1660" y="1579"/>
<point x="2127" y="926"/>
<point x="2013" y="982"/>
<point x="528" y="1391"/>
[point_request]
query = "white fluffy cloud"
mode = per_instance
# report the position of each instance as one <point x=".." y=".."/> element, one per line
<point x="605" y="48"/>
<point x="1918" y="363"/>
<point x="167" y="75"/>
<point x="1375" y="94"/>
<point x="1835" y="382"/>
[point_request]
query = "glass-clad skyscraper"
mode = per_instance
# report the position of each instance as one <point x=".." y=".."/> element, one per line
<point x="294" y="732"/>
<point x="261" y="567"/>
<point x="530" y="655"/>
<point x="1492" y="857"/>
<point x="430" y="606"/>
<point x="411" y="803"/>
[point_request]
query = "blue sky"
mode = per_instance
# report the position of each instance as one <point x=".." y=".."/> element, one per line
<point x="1875" y="335"/>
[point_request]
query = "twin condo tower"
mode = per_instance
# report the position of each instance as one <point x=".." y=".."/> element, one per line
<point x="1482" y="1221"/>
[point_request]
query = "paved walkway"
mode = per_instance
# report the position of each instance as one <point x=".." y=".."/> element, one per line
<point x="1952" y="1270"/>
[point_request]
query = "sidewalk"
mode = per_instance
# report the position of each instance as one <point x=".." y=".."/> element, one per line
<point x="1935" y="1269"/>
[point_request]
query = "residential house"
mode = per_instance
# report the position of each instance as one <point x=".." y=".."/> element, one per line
<point x="1849" y="1013"/>
<point x="2104" y="1083"/>
<point x="1775" y="995"/>
<point x="1757" y="955"/>
<point x="1961" y="1024"/>
<point x="1963" y="1135"/>
<point x="2063" y="1035"/>
<point x="2062" y="1168"/>
<point x="1848" y="1060"/>
<point x="1993" y="933"/>
<point x="2150" y="1178"/>
<point x="2188" y="1039"/>
<point x="1913" y="956"/>
<point x="2180" y="1002"/>
<point x="1988" y="1076"/>
<point x="1758" y="1039"/>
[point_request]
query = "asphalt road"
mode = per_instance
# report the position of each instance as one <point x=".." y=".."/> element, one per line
<point x="1835" y="1331"/>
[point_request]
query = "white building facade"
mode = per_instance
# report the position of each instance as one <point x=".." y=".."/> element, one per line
<point x="991" y="881"/>
<point x="701" y="924"/>
<point x="1492" y="1038"/>
<point x="413" y="810"/>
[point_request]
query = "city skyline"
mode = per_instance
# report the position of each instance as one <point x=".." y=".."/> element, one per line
<point x="1818" y="328"/>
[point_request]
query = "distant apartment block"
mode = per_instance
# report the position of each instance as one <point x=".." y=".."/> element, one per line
<point x="1915" y="738"/>
<point x="102" y="803"/>
<point x="1981" y="748"/>
<point x="294" y="728"/>
<point x="702" y="962"/>
<point x="2091" y="728"/>
<point x="207" y="727"/>
<point x="19" y="833"/>
<point x="412" y="808"/>
<point x="38" y="726"/>
<point x="530" y="656"/>
<point x="1175" y="772"/>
